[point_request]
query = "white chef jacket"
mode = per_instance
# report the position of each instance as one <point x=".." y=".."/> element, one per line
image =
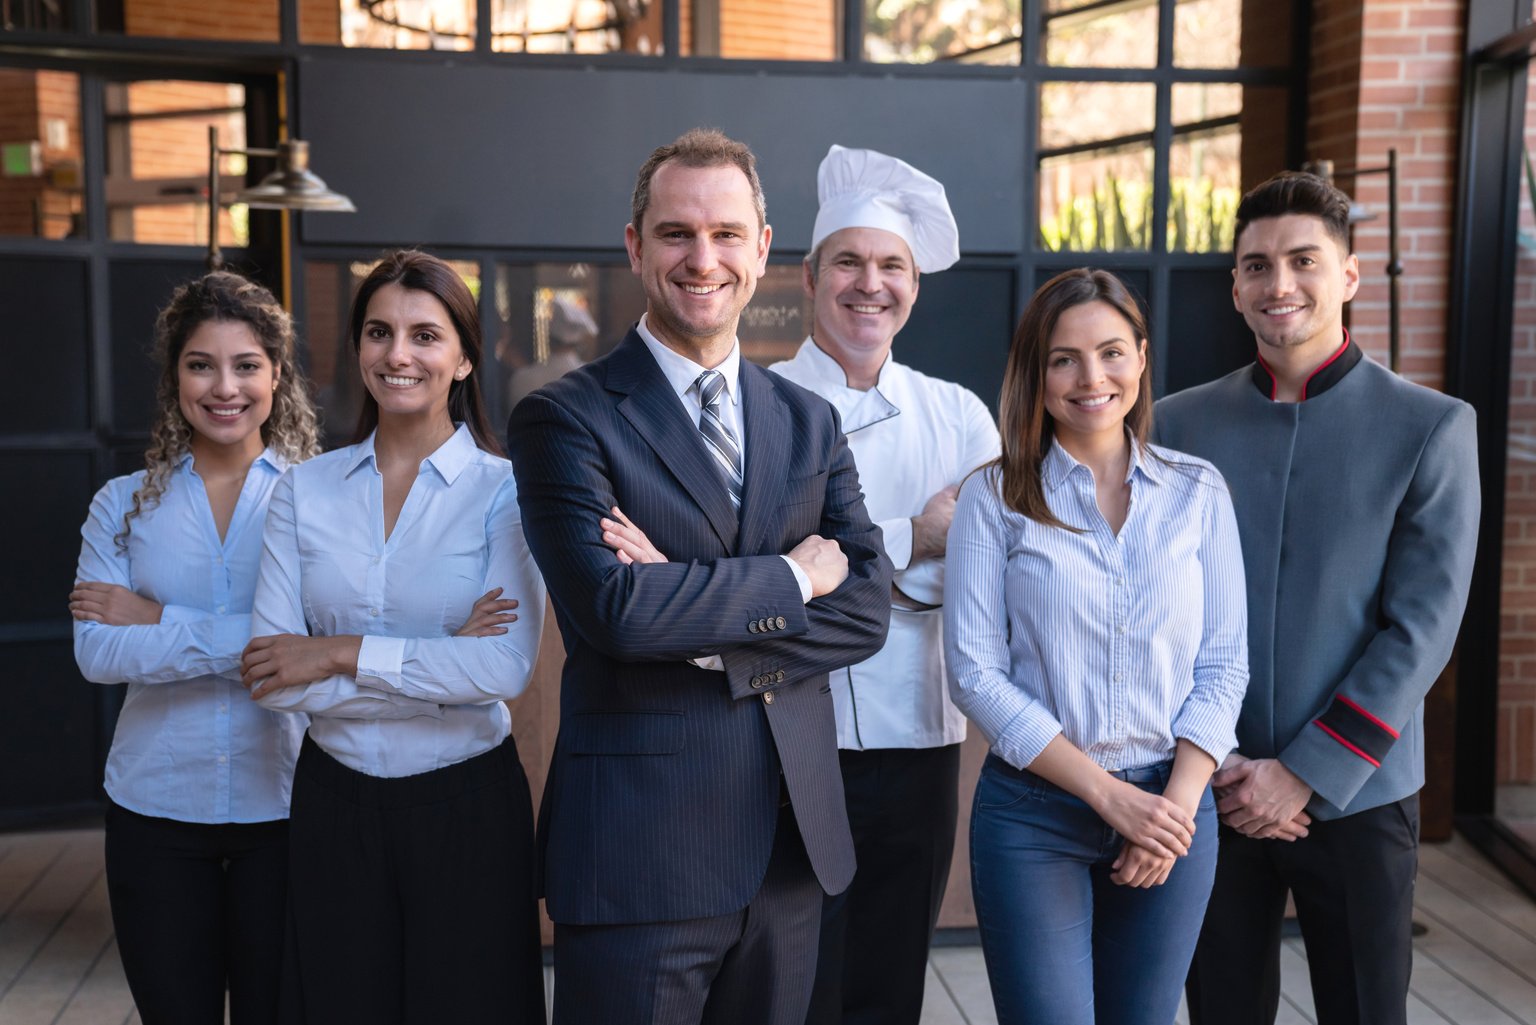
<point x="911" y="436"/>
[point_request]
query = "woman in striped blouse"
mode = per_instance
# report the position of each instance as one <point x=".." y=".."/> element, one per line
<point x="1096" y="631"/>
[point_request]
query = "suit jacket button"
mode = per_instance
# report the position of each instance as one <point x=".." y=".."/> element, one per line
<point x="768" y="698"/>
<point x="778" y="677"/>
<point x="780" y="623"/>
<point x="762" y="625"/>
<point x="752" y="626"/>
<point x="757" y="682"/>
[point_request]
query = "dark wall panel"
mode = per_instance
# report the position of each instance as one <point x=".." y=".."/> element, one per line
<point x="139" y="288"/>
<point x="960" y="329"/>
<point x="1207" y="338"/>
<point x="44" y="337"/>
<point x="50" y="754"/>
<point x="537" y="157"/>
<point x="40" y="569"/>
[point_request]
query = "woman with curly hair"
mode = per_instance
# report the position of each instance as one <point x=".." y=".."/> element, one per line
<point x="198" y="778"/>
<point x="378" y="612"/>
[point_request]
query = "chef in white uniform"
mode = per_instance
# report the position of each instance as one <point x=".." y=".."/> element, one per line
<point x="881" y="223"/>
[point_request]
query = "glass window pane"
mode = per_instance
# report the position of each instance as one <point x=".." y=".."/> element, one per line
<point x="389" y="24"/>
<point x="331" y="363"/>
<point x="36" y="16"/>
<point x="807" y="30"/>
<point x="247" y="20"/>
<point x="576" y="26"/>
<point x="157" y="161"/>
<point x="1095" y="165"/>
<point x="1207" y="33"/>
<point x="1232" y="33"/>
<point x="1226" y="138"/>
<point x="967" y="31"/>
<point x="41" y="193"/>
<point x="1093" y="34"/>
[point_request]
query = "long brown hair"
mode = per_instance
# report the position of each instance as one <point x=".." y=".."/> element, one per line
<point x="291" y="429"/>
<point x="421" y="272"/>
<point x="1026" y="426"/>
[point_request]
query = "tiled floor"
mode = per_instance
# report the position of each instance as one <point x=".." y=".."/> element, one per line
<point x="1475" y="966"/>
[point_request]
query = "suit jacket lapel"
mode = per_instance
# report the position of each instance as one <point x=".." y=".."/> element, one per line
<point x="653" y="409"/>
<point x="767" y="456"/>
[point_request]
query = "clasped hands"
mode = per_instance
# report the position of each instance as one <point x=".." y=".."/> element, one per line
<point x="293" y="660"/>
<point x="821" y="559"/>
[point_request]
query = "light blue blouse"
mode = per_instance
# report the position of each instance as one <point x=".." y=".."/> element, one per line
<point x="189" y="744"/>
<point x="422" y="698"/>
<point x="1124" y="644"/>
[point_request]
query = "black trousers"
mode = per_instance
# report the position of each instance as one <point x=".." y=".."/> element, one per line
<point x="198" y="909"/>
<point x="1352" y="879"/>
<point x="412" y="900"/>
<point x="902" y="806"/>
<point x="750" y="967"/>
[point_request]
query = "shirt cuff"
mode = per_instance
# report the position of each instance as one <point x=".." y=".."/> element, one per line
<point x="1022" y="740"/>
<point x="379" y="660"/>
<point x="897" y="535"/>
<point x="800" y="578"/>
<point x="714" y="663"/>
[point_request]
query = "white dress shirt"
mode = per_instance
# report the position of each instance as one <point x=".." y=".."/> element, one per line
<point x="682" y="374"/>
<point x="422" y="698"/>
<point x="912" y="436"/>
<point x="1122" y="643"/>
<point x="189" y="745"/>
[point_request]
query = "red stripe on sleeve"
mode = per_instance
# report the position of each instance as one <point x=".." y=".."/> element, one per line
<point x="1350" y="704"/>
<point x="1322" y="726"/>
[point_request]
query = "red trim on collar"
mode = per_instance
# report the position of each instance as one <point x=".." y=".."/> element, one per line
<point x="1274" y="382"/>
<point x="1321" y="366"/>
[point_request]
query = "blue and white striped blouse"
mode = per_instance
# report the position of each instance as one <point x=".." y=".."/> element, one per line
<point x="1125" y="643"/>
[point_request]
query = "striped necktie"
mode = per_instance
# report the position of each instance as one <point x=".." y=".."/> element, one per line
<point x="722" y="442"/>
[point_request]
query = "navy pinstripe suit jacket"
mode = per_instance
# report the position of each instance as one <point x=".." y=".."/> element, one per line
<point x="665" y="784"/>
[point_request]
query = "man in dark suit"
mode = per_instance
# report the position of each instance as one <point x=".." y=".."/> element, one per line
<point x="694" y="811"/>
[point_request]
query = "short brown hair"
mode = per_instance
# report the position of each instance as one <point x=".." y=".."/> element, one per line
<point x="699" y="147"/>
<point x="1296" y="192"/>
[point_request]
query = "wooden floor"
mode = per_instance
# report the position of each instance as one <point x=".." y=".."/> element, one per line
<point x="1475" y="966"/>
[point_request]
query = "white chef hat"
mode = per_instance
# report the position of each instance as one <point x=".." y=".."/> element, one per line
<point x="860" y="188"/>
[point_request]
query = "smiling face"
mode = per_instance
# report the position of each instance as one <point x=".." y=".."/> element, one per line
<point x="409" y="354"/>
<point x="1291" y="282"/>
<point x="698" y="255"/>
<point x="1093" y="369"/>
<point x="224" y="385"/>
<point x="861" y="291"/>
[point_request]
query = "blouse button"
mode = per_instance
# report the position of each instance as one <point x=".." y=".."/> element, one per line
<point x="373" y="612"/>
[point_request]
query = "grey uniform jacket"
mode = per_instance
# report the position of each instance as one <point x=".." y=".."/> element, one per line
<point x="1358" y="512"/>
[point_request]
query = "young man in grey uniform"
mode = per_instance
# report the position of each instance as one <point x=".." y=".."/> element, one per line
<point x="1357" y="500"/>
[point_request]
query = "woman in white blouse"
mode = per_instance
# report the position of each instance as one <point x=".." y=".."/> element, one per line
<point x="378" y="611"/>
<point x="198" y="778"/>
<point x="1096" y="631"/>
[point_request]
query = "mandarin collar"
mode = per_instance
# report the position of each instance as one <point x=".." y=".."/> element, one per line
<point x="1328" y="374"/>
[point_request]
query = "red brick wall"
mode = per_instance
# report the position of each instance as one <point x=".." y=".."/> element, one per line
<point x="207" y="19"/>
<point x="29" y="100"/>
<point x="772" y="29"/>
<point x="178" y="148"/>
<point x="1516" y="745"/>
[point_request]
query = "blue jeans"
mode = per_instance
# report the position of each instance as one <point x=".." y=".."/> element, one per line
<point x="1063" y="944"/>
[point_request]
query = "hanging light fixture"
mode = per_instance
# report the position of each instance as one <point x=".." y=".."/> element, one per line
<point x="293" y="186"/>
